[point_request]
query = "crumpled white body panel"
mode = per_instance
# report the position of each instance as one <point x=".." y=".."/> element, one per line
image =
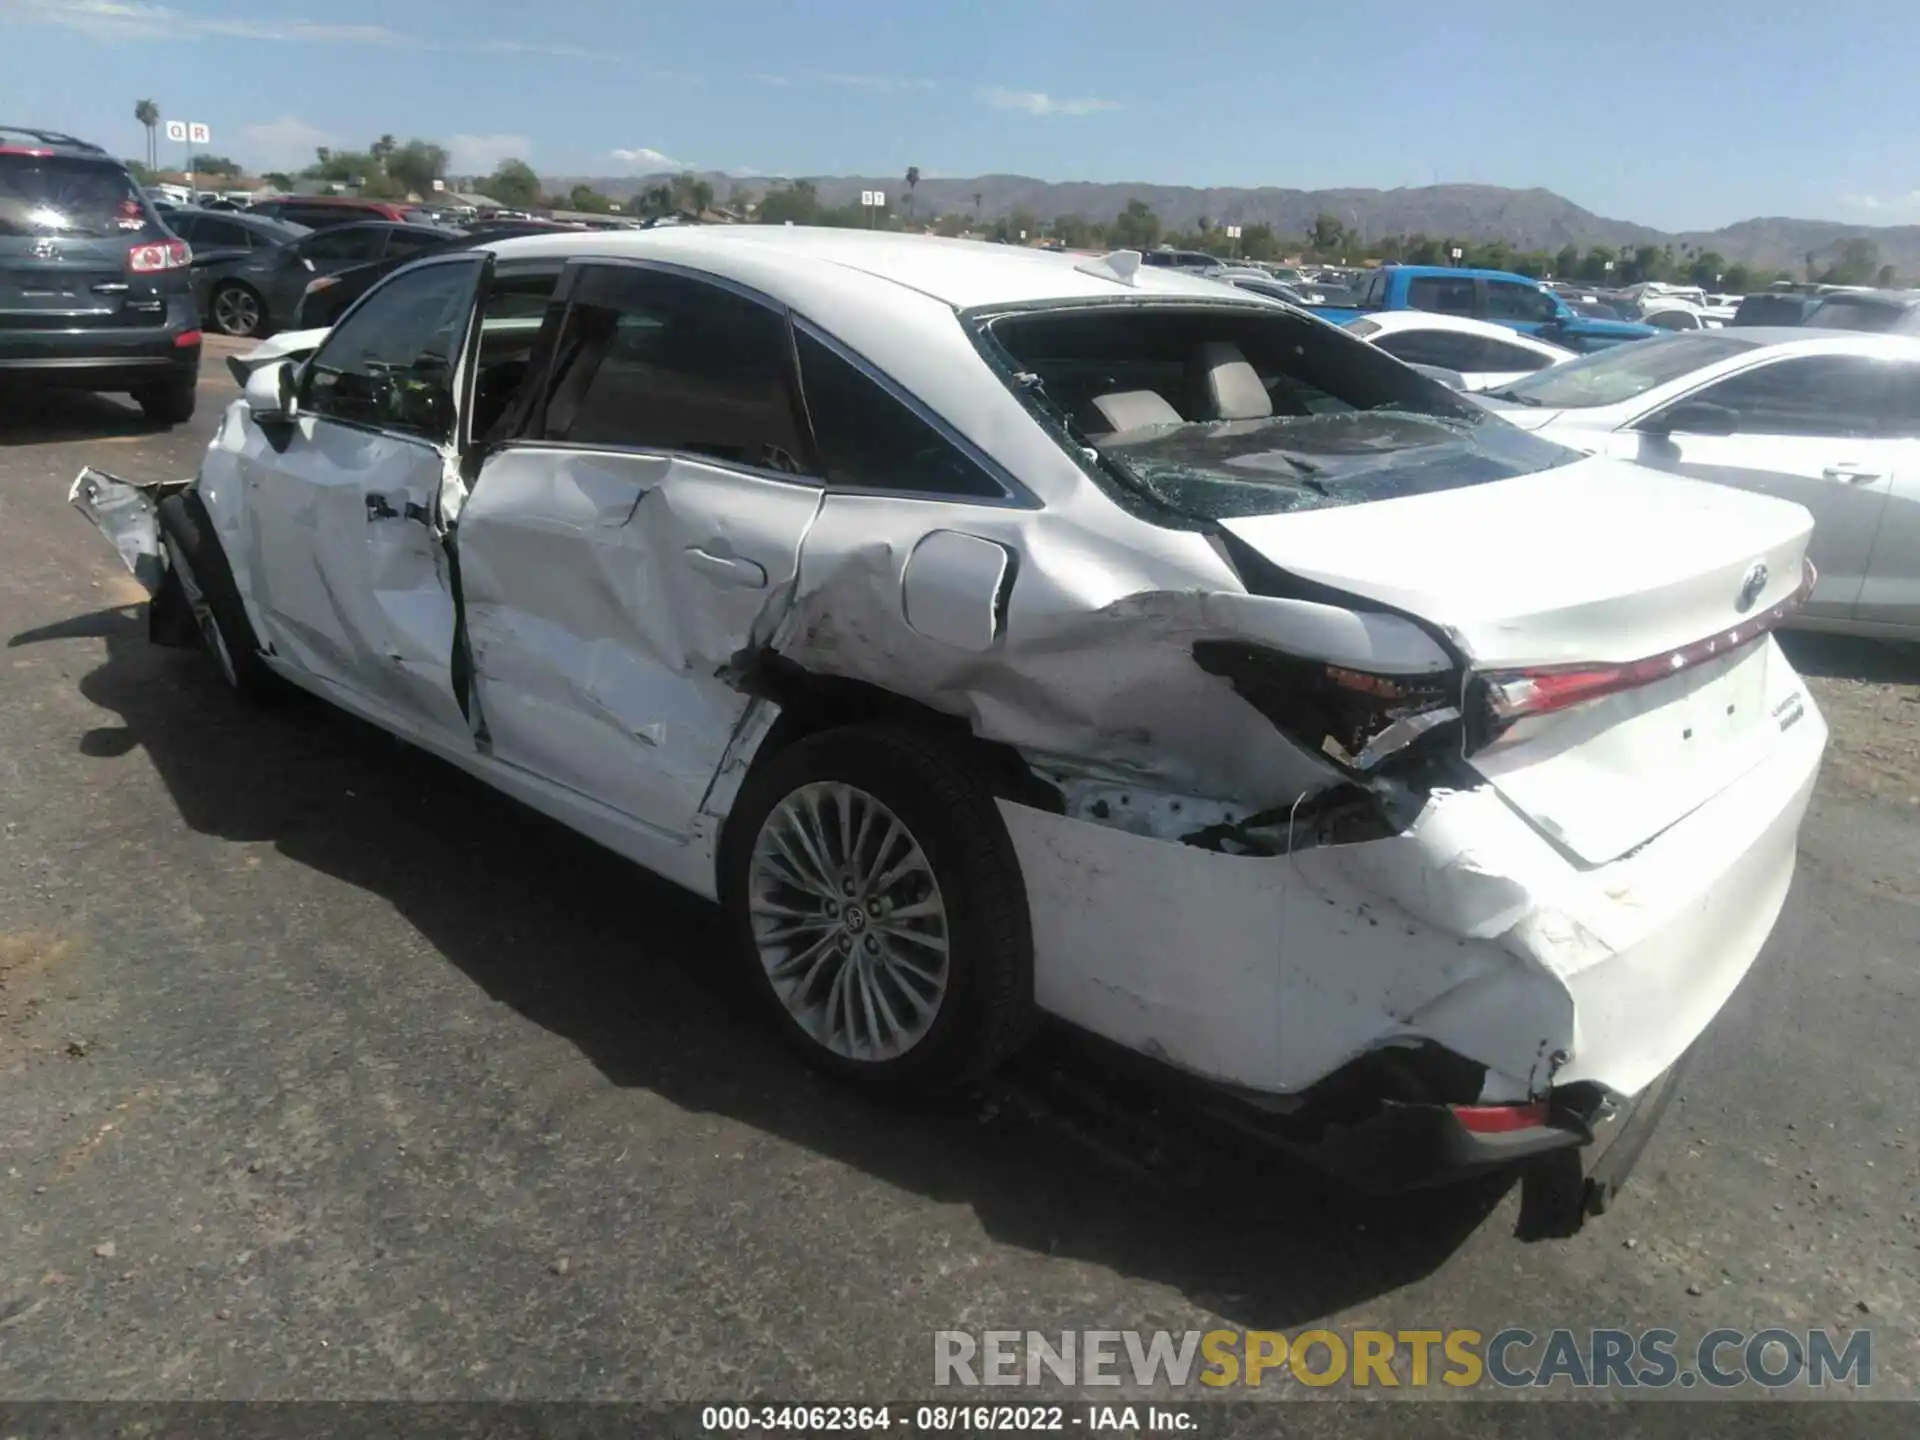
<point x="1470" y="930"/>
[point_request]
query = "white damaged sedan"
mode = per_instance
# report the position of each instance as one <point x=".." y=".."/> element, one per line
<point x="993" y="632"/>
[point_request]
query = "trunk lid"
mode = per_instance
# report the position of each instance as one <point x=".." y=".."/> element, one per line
<point x="1596" y="564"/>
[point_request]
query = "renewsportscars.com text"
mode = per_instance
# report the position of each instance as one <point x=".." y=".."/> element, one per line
<point x="1513" y="1358"/>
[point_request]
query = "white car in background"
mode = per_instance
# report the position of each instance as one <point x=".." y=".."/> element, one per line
<point x="1828" y="419"/>
<point x="992" y="632"/>
<point x="1482" y="354"/>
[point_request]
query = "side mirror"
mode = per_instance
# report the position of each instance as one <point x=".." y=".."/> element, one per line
<point x="269" y="394"/>
<point x="1695" y="417"/>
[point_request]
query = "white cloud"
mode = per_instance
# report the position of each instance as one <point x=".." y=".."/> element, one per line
<point x="871" y="82"/>
<point x="286" y="143"/>
<point x="1038" y="102"/>
<point x="648" y="160"/>
<point x="123" y="20"/>
<point x="1881" y="204"/>
<point x="482" y="154"/>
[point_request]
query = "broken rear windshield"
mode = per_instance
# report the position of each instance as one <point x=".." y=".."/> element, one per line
<point x="1192" y="414"/>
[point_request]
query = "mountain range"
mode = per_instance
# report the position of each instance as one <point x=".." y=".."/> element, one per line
<point x="1534" y="219"/>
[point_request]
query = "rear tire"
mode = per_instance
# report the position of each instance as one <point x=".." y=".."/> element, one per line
<point x="170" y="402"/>
<point x="196" y="560"/>
<point x="236" y="309"/>
<point x="877" y="904"/>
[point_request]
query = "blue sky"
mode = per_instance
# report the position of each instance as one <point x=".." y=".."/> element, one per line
<point x="1683" y="114"/>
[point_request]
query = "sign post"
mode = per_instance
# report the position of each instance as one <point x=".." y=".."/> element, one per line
<point x="1456" y="254"/>
<point x="189" y="133"/>
<point x="873" y="200"/>
<point x="1233" y="234"/>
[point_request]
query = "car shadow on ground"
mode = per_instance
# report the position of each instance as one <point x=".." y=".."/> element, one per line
<point x="41" y="417"/>
<point x="1064" y="1153"/>
<point x="1852" y="657"/>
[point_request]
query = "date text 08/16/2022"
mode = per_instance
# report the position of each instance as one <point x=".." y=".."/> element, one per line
<point x="940" y="1419"/>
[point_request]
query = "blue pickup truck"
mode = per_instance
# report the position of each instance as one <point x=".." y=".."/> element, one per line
<point x="1495" y="295"/>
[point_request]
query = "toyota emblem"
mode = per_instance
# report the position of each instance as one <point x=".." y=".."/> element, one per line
<point x="1750" y="588"/>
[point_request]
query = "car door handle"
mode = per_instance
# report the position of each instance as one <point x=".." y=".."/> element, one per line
<point x="727" y="569"/>
<point x="381" y="507"/>
<point x="1851" y="474"/>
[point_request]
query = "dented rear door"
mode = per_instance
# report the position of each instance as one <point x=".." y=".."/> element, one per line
<point x="637" y="541"/>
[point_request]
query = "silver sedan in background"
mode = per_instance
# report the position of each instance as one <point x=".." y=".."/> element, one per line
<point x="1826" y="418"/>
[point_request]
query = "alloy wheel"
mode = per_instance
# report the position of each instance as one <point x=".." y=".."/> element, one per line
<point x="849" y="921"/>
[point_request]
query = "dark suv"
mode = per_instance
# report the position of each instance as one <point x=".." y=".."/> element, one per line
<point x="95" y="291"/>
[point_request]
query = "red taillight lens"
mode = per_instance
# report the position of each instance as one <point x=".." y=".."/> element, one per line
<point x="34" y="151"/>
<point x="1513" y="695"/>
<point x="160" y="255"/>
<point x="1500" y="1119"/>
<point x="186" y="338"/>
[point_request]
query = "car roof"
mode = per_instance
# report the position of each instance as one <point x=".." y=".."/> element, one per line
<point x="1801" y="337"/>
<point x="959" y="273"/>
<point x="52" y="144"/>
<point x="1888" y="299"/>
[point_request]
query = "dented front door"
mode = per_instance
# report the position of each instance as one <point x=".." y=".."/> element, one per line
<point x="607" y="596"/>
<point x="351" y="577"/>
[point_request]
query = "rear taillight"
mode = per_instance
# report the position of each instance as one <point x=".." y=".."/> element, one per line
<point x="187" y="338"/>
<point x="33" y="150"/>
<point x="1513" y="695"/>
<point x="1355" y="718"/>
<point x="160" y="255"/>
<point x="1501" y="1119"/>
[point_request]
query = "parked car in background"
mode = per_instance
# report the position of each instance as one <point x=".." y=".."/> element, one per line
<point x="1497" y="295"/>
<point x="1774" y="309"/>
<point x="321" y="212"/>
<point x="1481" y="354"/>
<point x="95" y="292"/>
<point x="236" y="261"/>
<point x="327" y="297"/>
<point x="1029" y="633"/>
<point x="1168" y="258"/>
<point x="1823" y="418"/>
<point x="1886" y="312"/>
<point x="1257" y="283"/>
<point x="1722" y="307"/>
<point x="1673" y="316"/>
<point x="276" y="278"/>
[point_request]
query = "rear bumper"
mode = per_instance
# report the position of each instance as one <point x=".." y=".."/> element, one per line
<point x="106" y="358"/>
<point x="1469" y="936"/>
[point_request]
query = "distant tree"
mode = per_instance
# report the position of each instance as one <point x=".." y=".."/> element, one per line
<point x="1327" y="235"/>
<point x="1705" y="268"/>
<point x="691" y="193"/>
<point x="1136" y="227"/>
<point x="148" y="114"/>
<point x="1534" y="263"/>
<point x="1074" y="232"/>
<point x="279" y="179"/>
<point x="212" y="165"/>
<point x="1855" y="263"/>
<point x="588" y="200"/>
<point x="514" y="184"/>
<point x="951" y="225"/>
<point x="1738" y="279"/>
<point x="1593" y="265"/>
<point x="416" y="165"/>
<point x="1258" y="242"/>
<point x="342" y="167"/>
<point x="1885" y="278"/>
<point x="798" y="203"/>
<point x="382" y="148"/>
<point x="143" y="173"/>
<point x="913" y="182"/>
<point x="977" y="198"/>
<point x="1567" y="263"/>
<point x="1424" y="250"/>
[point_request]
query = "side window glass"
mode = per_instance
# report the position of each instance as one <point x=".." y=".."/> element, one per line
<point x="1434" y="347"/>
<point x="1903" y="401"/>
<point x="1503" y="358"/>
<point x="511" y="318"/>
<point x="390" y="363"/>
<point x="656" y="361"/>
<point x="1837" y="396"/>
<point x="869" y="439"/>
<point x="1441" y="295"/>
<point x="1508" y="301"/>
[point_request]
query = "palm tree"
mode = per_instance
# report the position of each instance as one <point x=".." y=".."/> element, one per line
<point x="913" y="179"/>
<point x="148" y="114"/>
